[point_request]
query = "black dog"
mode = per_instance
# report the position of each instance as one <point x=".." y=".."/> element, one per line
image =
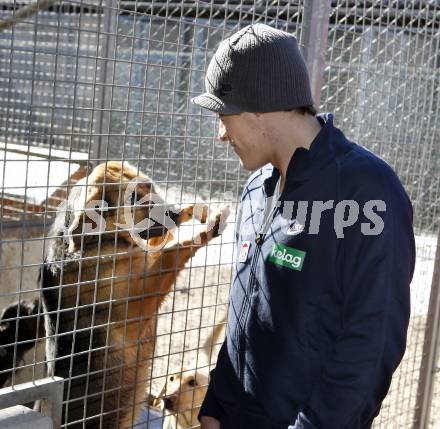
<point x="20" y="326"/>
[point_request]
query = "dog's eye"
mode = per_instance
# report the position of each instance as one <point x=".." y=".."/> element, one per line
<point x="133" y="198"/>
<point x="192" y="382"/>
<point x="137" y="198"/>
<point x="172" y="378"/>
<point x="100" y="208"/>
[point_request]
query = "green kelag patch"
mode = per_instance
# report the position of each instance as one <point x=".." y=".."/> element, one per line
<point x="287" y="256"/>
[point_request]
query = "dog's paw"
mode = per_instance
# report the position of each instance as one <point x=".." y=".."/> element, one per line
<point x="196" y="211"/>
<point x="215" y="226"/>
<point x="201" y="212"/>
<point x="217" y="223"/>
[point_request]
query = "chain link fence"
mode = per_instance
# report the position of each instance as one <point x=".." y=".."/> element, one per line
<point x="382" y="82"/>
<point x="89" y="82"/>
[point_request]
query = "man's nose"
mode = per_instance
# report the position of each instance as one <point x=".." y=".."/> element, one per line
<point x="222" y="133"/>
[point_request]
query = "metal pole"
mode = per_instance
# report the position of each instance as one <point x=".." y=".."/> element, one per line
<point x="101" y="111"/>
<point x="361" y="110"/>
<point x="47" y="390"/>
<point x="314" y="40"/>
<point x="430" y="349"/>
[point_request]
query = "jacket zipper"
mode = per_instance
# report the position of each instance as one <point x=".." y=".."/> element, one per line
<point x="259" y="239"/>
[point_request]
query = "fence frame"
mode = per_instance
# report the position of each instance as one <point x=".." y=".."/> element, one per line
<point x="314" y="40"/>
<point x="431" y="345"/>
<point x="102" y="103"/>
<point x="49" y="391"/>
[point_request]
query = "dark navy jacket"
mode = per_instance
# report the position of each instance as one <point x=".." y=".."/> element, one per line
<point x="317" y="323"/>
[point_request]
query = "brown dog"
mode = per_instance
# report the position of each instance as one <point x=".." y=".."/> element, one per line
<point x="183" y="398"/>
<point x="183" y="393"/>
<point x="101" y="291"/>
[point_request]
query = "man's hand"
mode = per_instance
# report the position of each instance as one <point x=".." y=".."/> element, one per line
<point x="209" y="422"/>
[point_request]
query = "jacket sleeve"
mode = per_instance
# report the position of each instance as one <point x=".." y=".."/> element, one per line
<point x="210" y="407"/>
<point x="375" y="274"/>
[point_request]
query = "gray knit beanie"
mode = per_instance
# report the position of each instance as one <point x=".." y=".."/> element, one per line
<point x="257" y="69"/>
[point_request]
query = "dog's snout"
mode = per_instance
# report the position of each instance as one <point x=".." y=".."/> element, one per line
<point x="156" y="230"/>
<point x="174" y="215"/>
<point x="162" y="222"/>
<point x="169" y="403"/>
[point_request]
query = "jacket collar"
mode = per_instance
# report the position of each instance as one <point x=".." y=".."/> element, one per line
<point x="306" y="162"/>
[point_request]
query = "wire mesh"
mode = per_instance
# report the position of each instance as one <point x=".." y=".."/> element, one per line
<point x="89" y="82"/>
<point x="434" y="413"/>
<point x="382" y="81"/>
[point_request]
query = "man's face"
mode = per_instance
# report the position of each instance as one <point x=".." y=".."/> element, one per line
<point x="245" y="134"/>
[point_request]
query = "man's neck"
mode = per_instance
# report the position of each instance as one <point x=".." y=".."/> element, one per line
<point x="295" y="132"/>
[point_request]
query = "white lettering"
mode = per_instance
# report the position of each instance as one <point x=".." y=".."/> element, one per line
<point x="296" y="263"/>
<point x="339" y="221"/>
<point x="375" y="218"/>
<point x="317" y="209"/>
<point x="95" y="217"/>
<point x="301" y="213"/>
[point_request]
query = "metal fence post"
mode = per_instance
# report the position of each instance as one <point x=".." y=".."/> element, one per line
<point x="314" y="41"/>
<point x="49" y="391"/>
<point x="102" y="105"/>
<point x="430" y="349"/>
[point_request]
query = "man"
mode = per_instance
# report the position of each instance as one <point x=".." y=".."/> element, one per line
<point x="319" y="305"/>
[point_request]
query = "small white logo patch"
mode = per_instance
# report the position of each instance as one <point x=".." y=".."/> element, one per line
<point x="295" y="228"/>
<point x="245" y="245"/>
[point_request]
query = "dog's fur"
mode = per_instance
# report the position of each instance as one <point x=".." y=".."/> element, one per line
<point x="183" y="393"/>
<point x="101" y="293"/>
<point x="183" y="398"/>
<point x="24" y="318"/>
<point x="19" y="329"/>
